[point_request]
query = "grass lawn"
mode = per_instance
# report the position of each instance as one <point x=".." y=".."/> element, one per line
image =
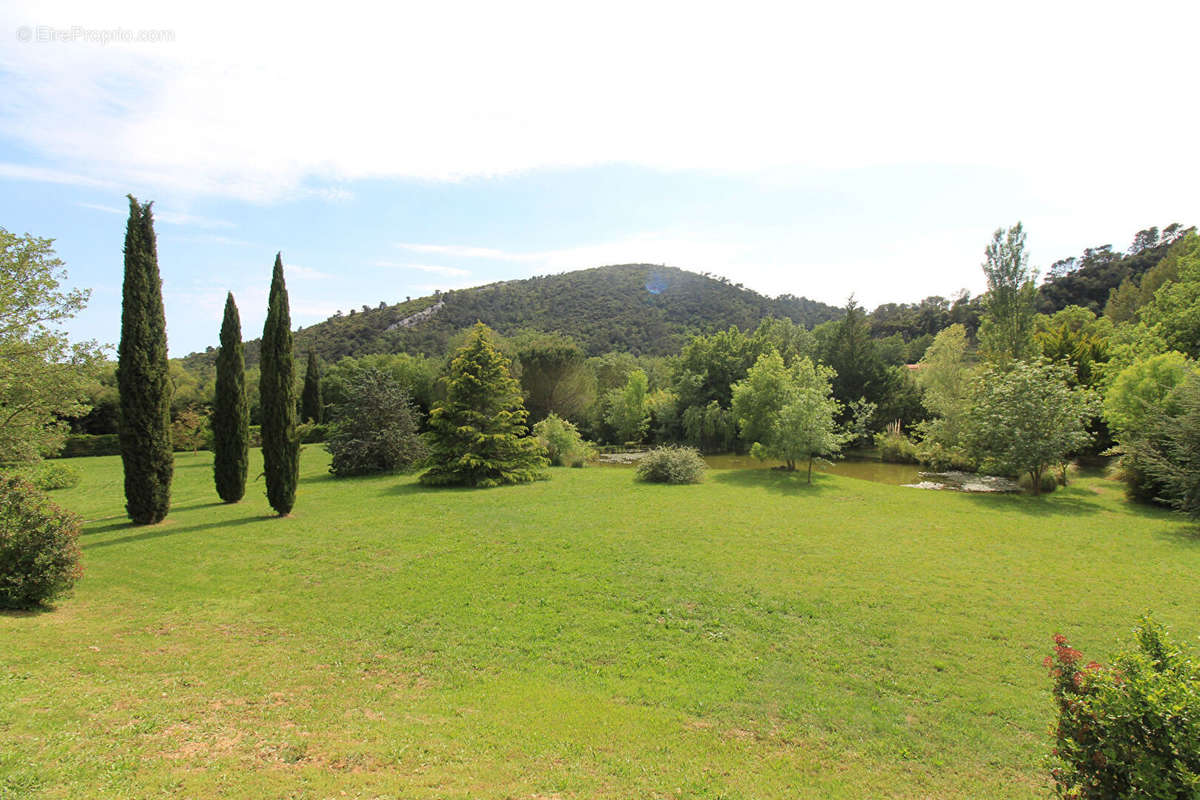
<point x="581" y="637"/>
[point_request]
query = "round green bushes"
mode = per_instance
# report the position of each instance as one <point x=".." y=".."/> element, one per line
<point x="562" y="442"/>
<point x="56" y="475"/>
<point x="671" y="464"/>
<point x="39" y="546"/>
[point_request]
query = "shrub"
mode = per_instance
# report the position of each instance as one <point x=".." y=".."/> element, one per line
<point x="671" y="465"/>
<point x="39" y="548"/>
<point x="83" y="444"/>
<point x="375" y="430"/>
<point x="55" y="475"/>
<point x="1130" y="730"/>
<point x="562" y="442"/>
<point x="312" y="432"/>
<point x="894" y="446"/>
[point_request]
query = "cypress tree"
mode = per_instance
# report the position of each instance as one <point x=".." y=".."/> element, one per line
<point x="277" y="392"/>
<point x="311" y="407"/>
<point x="145" y="426"/>
<point x="231" y="412"/>
<point x="477" y="434"/>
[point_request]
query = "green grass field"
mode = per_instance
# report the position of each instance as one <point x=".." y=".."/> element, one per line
<point x="581" y="637"/>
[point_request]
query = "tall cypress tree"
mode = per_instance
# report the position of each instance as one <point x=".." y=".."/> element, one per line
<point x="277" y="392"/>
<point x="311" y="407"/>
<point x="145" y="428"/>
<point x="231" y="412"/>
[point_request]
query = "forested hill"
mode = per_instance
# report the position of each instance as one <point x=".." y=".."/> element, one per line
<point x="635" y="308"/>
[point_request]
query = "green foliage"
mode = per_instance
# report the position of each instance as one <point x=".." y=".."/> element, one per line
<point x="858" y="369"/>
<point x="1161" y="459"/>
<point x="1026" y="417"/>
<point x="44" y="378"/>
<point x="554" y="376"/>
<point x="277" y="387"/>
<point x="1090" y="279"/>
<point x="671" y="464"/>
<point x="312" y="408"/>
<point x="82" y="444"/>
<point x="416" y="373"/>
<point x="789" y="413"/>
<point x="51" y="476"/>
<point x="1175" y="309"/>
<point x="1006" y="329"/>
<point x="894" y="447"/>
<point x="142" y="371"/>
<point x="231" y="411"/>
<point x="710" y="428"/>
<point x="1129" y="730"/>
<point x="1076" y="337"/>
<point x="375" y="430"/>
<point x="561" y="440"/>
<point x="39" y="549"/>
<point x="944" y="378"/>
<point x="626" y="411"/>
<point x="1141" y="389"/>
<point x="477" y="433"/>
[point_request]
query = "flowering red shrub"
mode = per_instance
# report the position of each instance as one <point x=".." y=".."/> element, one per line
<point x="1130" y="730"/>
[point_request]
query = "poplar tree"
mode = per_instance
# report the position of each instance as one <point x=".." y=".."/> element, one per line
<point x="145" y="427"/>
<point x="311" y="406"/>
<point x="277" y="393"/>
<point x="231" y="412"/>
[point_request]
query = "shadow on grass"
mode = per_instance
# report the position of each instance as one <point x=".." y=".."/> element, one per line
<point x="20" y="613"/>
<point x="167" y="529"/>
<point x="775" y="480"/>
<point x="1064" y="502"/>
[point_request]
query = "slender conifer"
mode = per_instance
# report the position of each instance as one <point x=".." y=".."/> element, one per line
<point x="231" y="413"/>
<point x="277" y="393"/>
<point x="145" y="426"/>
<point x="311" y="406"/>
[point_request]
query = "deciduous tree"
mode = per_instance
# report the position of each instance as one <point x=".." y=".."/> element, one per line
<point x="42" y="377"/>
<point x="1006" y="331"/>
<point x="1026" y="417"/>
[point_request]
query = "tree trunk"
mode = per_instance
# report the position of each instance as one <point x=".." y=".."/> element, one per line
<point x="1036" y="476"/>
<point x="810" y="470"/>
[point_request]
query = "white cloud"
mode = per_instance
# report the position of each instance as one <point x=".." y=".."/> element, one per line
<point x="249" y="102"/>
<point x="305" y="273"/>
<point x="437" y="269"/>
<point x="167" y="217"/>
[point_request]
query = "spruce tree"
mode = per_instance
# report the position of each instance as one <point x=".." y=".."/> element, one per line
<point x="145" y="427"/>
<point x="231" y="412"/>
<point x="277" y="393"/>
<point x="477" y="434"/>
<point x="311" y="407"/>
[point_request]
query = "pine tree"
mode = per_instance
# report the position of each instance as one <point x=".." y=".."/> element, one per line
<point x="277" y="392"/>
<point x="145" y="429"/>
<point x="477" y="434"/>
<point x="231" y="412"/>
<point x="311" y="406"/>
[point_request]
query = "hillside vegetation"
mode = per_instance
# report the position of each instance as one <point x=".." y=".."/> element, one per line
<point x="635" y="308"/>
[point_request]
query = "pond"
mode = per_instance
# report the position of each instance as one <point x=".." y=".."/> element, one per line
<point x="863" y="469"/>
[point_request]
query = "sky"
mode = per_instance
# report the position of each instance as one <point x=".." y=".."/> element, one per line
<point x="821" y="150"/>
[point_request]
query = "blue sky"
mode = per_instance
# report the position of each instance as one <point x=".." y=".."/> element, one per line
<point x="818" y="152"/>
